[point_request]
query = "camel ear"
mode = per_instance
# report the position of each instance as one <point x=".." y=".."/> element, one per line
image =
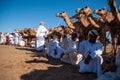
<point x="78" y="10"/>
<point x="86" y="6"/>
<point x="63" y="11"/>
<point x="104" y="8"/>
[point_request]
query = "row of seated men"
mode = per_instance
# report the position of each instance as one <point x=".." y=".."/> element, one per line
<point x="86" y="54"/>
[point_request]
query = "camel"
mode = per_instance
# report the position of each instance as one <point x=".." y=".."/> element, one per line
<point x="59" y="31"/>
<point x="71" y="25"/>
<point x="116" y="21"/>
<point x="77" y="26"/>
<point x="97" y="24"/>
<point x="66" y="19"/>
<point x="84" y="16"/>
<point x="32" y="34"/>
<point x="109" y="20"/>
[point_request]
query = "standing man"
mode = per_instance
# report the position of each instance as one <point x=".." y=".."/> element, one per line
<point x="91" y="50"/>
<point x="40" y="37"/>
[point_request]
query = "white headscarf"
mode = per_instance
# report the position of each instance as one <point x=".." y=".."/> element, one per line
<point x="93" y="32"/>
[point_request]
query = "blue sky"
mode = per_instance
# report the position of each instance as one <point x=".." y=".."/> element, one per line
<point x="28" y="13"/>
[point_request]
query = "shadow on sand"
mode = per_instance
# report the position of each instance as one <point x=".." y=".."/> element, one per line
<point x="59" y="71"/>
<point x="26" y="48"/>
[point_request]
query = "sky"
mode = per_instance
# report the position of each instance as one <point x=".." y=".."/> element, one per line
<point x="29" y="13"/>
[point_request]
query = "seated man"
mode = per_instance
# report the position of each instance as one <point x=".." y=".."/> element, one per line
<point x="91" y="50"/>
<point x="71" y="55"/>
<point x="53" y="48"/>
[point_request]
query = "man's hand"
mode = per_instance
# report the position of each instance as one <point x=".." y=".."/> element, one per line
<point x="87" y="60"/>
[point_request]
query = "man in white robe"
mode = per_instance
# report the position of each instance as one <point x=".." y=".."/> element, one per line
<point x="16" y="38"/>
<point x="40" y="37"/>
<point x="91" y="50"/>
<point x="71" y="55"/>
<point x="21" y="41"/>
<point x="2" y="38"/>
<point x="55" y="48"/>
<point x="11" y="38"/>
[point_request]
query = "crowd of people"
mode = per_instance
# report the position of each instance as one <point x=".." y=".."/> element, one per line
<point x="12" y="39"/>
<point x="72" y="49"/>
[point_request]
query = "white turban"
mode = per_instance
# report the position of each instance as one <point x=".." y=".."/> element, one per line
<point x="93" y="32"/>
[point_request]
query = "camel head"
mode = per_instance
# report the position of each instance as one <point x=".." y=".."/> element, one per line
<point x="59" y="28"/>
<point x="78" y="10"/>
<point x="86" y="10"/>
<point x="62" y="14"/>
<point x="101" y="11"/>
<point x="17" y="30"/>
<point x="78" y="14"/>
<point x="50" y="31"/>
<point x="34" y="29"/>
<point x="68" y="30"/>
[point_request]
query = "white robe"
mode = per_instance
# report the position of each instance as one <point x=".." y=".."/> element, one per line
<point x="2" y="39"/>
<point x="21" y="41"/>
<point x="56" y="46"/>
<point x="16" y="38"/>
<point x="11" y="37"/>
<point x="40" y="40"/>
<point x="71" y="55"/>
<point x="95" y="51"/>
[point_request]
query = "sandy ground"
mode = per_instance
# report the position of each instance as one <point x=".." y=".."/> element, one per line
<point x="21" y="63"/>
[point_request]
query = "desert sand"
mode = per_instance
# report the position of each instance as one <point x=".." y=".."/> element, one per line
<point x="22" y="63"/>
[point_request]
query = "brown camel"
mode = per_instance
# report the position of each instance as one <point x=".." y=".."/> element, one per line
<point x="109" y="21"/>
<point x="86" y="21"/>
<point x="32" y="34"/>
<point x="60" y="31"/>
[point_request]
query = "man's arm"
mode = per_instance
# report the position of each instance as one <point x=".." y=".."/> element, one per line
<point x="96" y="52"/>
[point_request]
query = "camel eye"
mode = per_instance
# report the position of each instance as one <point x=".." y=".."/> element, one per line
<point x="103" y="9"/>
<point x="99" y="10"/>
<point x="85" y="6"/>
<point x="82" y="9"/>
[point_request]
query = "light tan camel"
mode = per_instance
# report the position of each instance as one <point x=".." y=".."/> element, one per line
<point x="78" y="27"/>
<point x="71" y="25"/>
<point x="66" y="18"/>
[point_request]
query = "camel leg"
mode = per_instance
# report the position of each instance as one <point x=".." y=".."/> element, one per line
<point x="113" y="44"/>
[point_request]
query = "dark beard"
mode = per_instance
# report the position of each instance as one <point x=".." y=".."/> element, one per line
<point x="92" y="41"/>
